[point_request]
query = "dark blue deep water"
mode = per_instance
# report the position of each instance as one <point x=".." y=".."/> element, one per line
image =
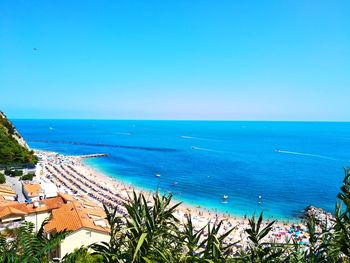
<point x="199" y="162"/>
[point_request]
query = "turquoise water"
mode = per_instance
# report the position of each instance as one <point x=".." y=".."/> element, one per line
<point x="199" y="162"/>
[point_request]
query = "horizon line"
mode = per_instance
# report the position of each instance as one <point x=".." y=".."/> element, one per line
<point x="189" y="120"/>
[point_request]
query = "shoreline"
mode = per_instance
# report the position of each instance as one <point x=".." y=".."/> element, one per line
<point x="193" y="206"/>
<point x="109" y="178"/>
<point x="73" y="176"/>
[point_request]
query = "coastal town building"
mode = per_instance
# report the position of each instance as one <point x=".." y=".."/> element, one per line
<point x="13" y="214"/>
<point x="32" y="191"/>
<point x="36" y="191"/>
<point x="7" y="194"/>
<point x="84" y="219"/>
<point x="49" y="189"/>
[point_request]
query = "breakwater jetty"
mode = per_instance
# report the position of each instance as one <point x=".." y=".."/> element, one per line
<point x="94" y="155"/>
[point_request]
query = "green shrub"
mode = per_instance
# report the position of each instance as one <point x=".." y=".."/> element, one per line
<point x="2" y="178"/>
<point x="11" y="152"/>
<point x="82" y="255"/>
<point x="28" y="177"/>
<point x="18" y="173"/>
<point x="13" y="173"/>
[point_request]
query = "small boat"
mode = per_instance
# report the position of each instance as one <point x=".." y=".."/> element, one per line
<point x="225" y="197"/>
<point x="277" y="150"/>
<point x="50" y="128"/>
<point x="158" y="175"/>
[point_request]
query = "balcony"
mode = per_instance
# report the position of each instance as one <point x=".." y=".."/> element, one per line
<point x="10" y="225"/>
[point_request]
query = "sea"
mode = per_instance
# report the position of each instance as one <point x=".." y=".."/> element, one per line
<point x="275" y="167"/>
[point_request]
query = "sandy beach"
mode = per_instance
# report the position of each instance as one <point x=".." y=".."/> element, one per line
<point x="74" y="177"/>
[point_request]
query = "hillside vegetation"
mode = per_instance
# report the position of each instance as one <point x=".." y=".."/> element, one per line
<point x="13" y="149"/>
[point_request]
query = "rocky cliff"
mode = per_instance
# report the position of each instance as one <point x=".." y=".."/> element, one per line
<point x="13" y="148"/>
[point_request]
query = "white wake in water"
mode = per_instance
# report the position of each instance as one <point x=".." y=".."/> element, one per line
<point x="191" y="137"/>
<point x="204" y="149"/>
<point x="123" y="133"/>
<point x="199" y="138"/>
<point x="309" y="154"/>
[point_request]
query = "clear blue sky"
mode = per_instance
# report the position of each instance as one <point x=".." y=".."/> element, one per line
<point x="183" y="59"/>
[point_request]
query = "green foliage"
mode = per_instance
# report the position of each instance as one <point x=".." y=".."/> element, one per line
<point x="200" y="245"/>
<point x="27" y="246"/>
<point x="150" y="227"/>
<point x="82" y="255"/>
<point x="7" y="124"/>
<point x="2" y="178"/>
<point x="140" y="236"/>
<point x="13" y="173"/>
<point x="260" y="250"/>
<point x="151" y="233"/>
<point x="113" y="250"/>
<point x="28" y="176"/>
<point x="11" y="152"/>
<point x="342" y="226"/>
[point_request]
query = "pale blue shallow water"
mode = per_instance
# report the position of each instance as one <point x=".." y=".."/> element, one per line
<point x="199" y="162"/>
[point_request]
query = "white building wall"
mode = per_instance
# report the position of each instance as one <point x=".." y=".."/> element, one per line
<point x="81" y="237"/>
<point x="37" y="219"/>
<point x="49" y="189"/>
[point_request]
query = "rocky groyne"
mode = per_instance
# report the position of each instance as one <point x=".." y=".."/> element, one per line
<point x="322" y="217"/>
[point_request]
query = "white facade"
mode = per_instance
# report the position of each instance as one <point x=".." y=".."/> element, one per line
<point x="37" y="219"/>
<point x="49" y="189"/>
<point x="81" y="237"/>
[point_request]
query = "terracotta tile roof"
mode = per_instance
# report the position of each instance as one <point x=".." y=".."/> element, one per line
<point x="64" y="218"/>
<point x="69" y="198"/>
<point x="74" y="216"/>
<point x="5" y="202"/>
<point x="7" y="199"/>
<point x="6" y="189"/>
<point x="66" y="197"/>
<point x="45" y="205"/>
<point x="6" y="211"/>
<point x="32" y="189"/>
<point x="7" y="195"/>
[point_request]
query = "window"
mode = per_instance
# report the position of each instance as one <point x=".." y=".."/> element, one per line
<point x="88" y="206"/>
<point x="92" y="216"/>
<point x="100" y="223"/>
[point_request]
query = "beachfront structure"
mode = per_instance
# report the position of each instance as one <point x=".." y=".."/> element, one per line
<point x="13" y="214"/>
<point x="7" y="194"/>
<point x="37" y="191"/>
<point x="49" y="189"/>
<point x="85" y="219"/>
<point x="32" y="191"/>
